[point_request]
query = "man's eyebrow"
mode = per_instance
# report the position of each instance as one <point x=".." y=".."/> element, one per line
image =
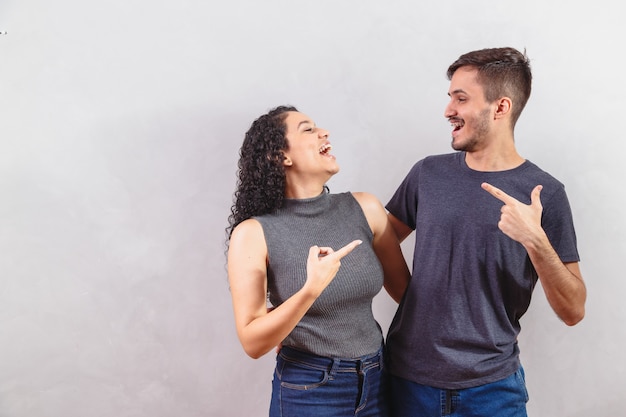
<point x="457" y="91"/>
<point x="305" y="122"/>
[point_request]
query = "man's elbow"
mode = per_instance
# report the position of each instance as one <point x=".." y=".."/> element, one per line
<point x="575" y="317"/>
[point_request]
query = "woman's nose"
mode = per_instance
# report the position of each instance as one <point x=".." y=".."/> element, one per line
<point x="323" y="133"/>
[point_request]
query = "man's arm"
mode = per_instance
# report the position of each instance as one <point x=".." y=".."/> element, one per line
<point x="386" y="246"/>
<point x="562" y="282"/>
<point x="401" y="229"/>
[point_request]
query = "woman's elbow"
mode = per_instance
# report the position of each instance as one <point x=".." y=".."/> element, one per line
<point x="254" y="350"/>
<point x="254" y="354"/>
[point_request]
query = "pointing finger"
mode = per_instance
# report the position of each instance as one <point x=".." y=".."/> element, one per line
<point x="497" y="193"/>
<point x="348" y="248"/>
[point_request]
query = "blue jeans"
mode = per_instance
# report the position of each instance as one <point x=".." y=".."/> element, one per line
<point x="504" y="398"/>
<point x="307" y="385"/>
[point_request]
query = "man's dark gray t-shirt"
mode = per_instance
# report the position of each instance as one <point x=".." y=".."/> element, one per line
<point x="458" y="323"/>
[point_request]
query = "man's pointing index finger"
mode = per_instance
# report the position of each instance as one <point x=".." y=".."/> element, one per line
<point x="497" y="193"/>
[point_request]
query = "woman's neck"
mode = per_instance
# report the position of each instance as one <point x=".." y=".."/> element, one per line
<point x="303" y="191"/>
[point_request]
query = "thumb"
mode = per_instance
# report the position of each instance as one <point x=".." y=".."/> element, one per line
<point x="314" y="251"/>
<point x="535" y="196"/>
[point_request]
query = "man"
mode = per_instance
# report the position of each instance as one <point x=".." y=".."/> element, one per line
<point x="479" y="251"/>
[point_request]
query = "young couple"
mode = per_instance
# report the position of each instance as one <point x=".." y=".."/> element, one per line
<point x="488" y="224"/>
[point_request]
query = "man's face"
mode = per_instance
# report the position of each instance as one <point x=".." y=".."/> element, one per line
<point x="468" y="112"/>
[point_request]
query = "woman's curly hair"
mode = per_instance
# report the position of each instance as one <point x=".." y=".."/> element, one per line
<point x="261" y="175"/>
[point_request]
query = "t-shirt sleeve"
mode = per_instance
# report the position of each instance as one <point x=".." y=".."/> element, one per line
<point x="403" y="204"/>
<point x="558" y="223"/>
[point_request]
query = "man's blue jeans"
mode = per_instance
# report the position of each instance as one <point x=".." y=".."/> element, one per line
<point x="504" y="398"/>
<point x="307" y="385"/>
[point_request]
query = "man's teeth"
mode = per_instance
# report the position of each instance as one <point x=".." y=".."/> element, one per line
<point x="325" y="148"/>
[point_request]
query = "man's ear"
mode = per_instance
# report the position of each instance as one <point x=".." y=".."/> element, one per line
<point x="287" y="161"/>
<point x="503" y="107"/>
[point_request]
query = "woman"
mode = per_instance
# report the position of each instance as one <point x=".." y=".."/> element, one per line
<point x="315" y="256"/>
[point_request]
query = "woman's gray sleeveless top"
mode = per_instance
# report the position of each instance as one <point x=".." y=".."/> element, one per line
<point x="340" y="323"/>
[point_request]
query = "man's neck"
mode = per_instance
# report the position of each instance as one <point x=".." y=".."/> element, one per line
<point x="491" y="160"/>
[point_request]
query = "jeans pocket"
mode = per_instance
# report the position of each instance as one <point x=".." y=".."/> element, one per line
<point x="302" y="377"/>
<point x="521" y="381"/>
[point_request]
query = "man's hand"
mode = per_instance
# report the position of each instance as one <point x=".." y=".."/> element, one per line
<point x="562" y="283"/>
<point x="519" y="221"/>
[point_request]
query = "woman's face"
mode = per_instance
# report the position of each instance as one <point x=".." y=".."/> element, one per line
<point x="308" y="151"/>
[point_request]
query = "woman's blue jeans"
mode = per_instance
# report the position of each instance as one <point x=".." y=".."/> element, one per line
<point x="307" y="385"/>
<point x="504" y="398"/>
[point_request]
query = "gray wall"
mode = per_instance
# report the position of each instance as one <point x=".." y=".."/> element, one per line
<point x="120" y="123"/>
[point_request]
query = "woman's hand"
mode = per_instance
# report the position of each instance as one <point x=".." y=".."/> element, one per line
<point x="322" y="266"/>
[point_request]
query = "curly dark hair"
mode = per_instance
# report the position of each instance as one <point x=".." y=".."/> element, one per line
<point x="501" y="72"/>
<point x="261" y="175"/>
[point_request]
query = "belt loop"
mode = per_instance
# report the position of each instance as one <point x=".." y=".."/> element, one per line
<point x="451" y="402"/>
<point x="334" y="366"/>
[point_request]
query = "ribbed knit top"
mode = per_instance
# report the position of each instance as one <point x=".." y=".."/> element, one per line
<point x="340" y="323"/>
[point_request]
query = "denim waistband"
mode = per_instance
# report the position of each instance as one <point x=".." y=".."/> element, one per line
<point x="339" y="364"/>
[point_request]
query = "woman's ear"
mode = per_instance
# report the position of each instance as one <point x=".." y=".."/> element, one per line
<point x="285" y="159"/>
